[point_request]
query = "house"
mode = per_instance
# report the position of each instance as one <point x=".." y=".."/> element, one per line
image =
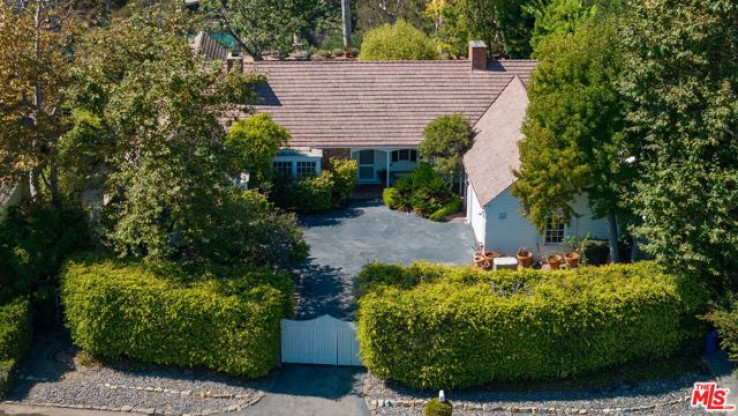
<point x="375" y="113"/>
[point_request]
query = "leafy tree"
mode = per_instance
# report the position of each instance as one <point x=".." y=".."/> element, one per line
<point x="682" y="86"/>
<point x="399" y="41"/>
<point x="574" y="141"/>
<point x="34" y="62"/>
<point x="255" y="141"/>
<point x="373" y="13"/>
<point x="445" y="140"/>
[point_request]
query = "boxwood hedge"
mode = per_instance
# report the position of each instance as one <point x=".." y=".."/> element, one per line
<point x="159" y="315"/>
<point x="431" y="326"/>
<point x="15" y="337"/>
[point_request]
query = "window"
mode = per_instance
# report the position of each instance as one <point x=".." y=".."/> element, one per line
<point x="554" y="231"/>
<point x="405" y="155"/>
<point x="306" y="168"/>
<point x="282" y="168"/>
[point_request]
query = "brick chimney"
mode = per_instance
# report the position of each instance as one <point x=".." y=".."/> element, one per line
<point x="478" y="54"/>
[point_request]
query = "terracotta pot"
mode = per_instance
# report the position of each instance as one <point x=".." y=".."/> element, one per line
<point x="486" y="265"/>
<point x="491" y="255"/>
<point x="525" y="259"/>
<point x="554" y="261"/>
<point x="478" y="259"/>
<point x="572" y="259"/>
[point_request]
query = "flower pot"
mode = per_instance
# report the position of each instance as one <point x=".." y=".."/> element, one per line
<point x="525" y="259"/>
<point x="554" y="261"/>
<point x="478" y="259"/>
<point x="572" y="259"/>
<point x="486" y="264"/>
<point x="491" y="255"/>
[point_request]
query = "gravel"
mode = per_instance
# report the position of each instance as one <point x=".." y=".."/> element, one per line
<point x="51" y="374"/>
<point x="661" y="394"/>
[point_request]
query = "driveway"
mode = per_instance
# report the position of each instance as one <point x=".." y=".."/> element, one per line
<point x="342" y="242"/>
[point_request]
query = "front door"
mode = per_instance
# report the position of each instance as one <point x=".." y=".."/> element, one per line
<point x="366" y="166"/>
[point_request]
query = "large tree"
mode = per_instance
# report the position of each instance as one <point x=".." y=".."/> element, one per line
<point x="35" y="42"/>
<point x="682" y="85"/>
<point x="445" y="140"/>
<point x="573" y="141"/>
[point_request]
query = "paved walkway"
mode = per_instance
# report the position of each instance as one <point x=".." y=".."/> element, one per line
<point x="342" y="242"/>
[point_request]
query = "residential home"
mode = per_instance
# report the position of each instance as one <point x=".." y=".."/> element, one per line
<point x="375" y="113"/>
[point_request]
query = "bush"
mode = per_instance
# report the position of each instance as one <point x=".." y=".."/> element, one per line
<point x="431" y="326"/>
<point x="345" y="172"/>
<point x="725" y="320"/>
<point x="389" y="196"/>
<point x="436" y="407"/>
<point x="401" y="41"/>
<point x="595" y="252"/>
<point x="445" y="140"/>
<point x="164" y="316"/>
<point x="34" y="241"/>
<point x="311" y="195"/>
<point x="15" y="337"/>
<point x="423" y="191"/>
<point x="449" y="209"/>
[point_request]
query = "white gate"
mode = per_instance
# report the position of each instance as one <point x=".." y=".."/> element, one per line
<point x="323" y="340"/>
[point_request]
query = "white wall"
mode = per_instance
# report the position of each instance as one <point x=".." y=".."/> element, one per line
<point x="475" y="215"/>
<point x="505" y="229"/>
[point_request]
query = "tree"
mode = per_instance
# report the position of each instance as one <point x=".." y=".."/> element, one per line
<point x="164" y="154"/>
<point x="35" y="42"/>
<point x="399" y="41"/>
<point x="445" y="140"/>
<point x="373" y="13"/>
<point x="682" y="88"/>
<point x="259" y="26"/>
<point x="573" y="142"/>
<point x="255" y="141"/>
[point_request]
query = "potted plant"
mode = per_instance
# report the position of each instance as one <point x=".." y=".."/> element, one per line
<point x="490" y="256"/>
<point x="554" y="261"/>
<point x="478" y="259"/>
<point x="525" y="258"/>
<point x="572" y="259"/>
<point x="486" y="264"/>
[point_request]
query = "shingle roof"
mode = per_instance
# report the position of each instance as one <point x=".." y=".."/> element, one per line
<point x="490" y="162"/>
<point x="376" y="104"/>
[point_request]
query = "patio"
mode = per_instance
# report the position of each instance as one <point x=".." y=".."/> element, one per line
<point x="342" y="242"/>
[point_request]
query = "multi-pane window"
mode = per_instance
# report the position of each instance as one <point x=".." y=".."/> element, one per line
<point x="405" y="155"/>
<point x="554" y="231"/>
<point x="306" y="168"/>
<point x="282" y="168"/>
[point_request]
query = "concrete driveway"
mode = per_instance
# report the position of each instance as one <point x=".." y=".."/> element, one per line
<point x="342" y="242"/>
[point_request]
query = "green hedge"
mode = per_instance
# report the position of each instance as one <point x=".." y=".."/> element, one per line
<point x="431" y="326"/>
<point x="162" y="316"/>
<point x="15" y="337"/>
<point x="424" y="191"/>
<point x="311" y="195"/>
<point x="449" y="209"/>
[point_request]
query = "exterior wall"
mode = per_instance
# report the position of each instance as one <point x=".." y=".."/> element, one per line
<point x="505" y="230"/>
<point x="300" y="158"/>
<point x="475" y="215"/>
<point x="16" y="196"/>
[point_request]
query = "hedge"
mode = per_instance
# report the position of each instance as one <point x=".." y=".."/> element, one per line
<point x="15" y="337"/>
<point x="431" y="326"/>
<point x="449" y="209"/>
<point x="116" y="309"/>
<point x="312" y="195"/>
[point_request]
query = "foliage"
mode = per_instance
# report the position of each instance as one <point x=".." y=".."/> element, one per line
<point x="163" y="316"/>
<point x="262" y="26"/>
<point x="398" y="41"/>
<point x="436" y="407"/>
<point x="574" y="140"/>
<point x="682" y="87"/>
<point x="15" y="337"/>
<point x="371" y="14"/>
<point x="450" y="208"/>
<point x="595" y="252"/>
<point x="311" y="195"/>
<point x="389" y="196"/>
<point x="423" y="191"/>
<point x="422" y="325"/>
<point x="725" y="319"/>
<point x="255" y="141"/>
<point x="34" y="241"/>
<point x="445" y="140"/>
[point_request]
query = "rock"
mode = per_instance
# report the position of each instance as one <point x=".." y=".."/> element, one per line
<point x="126" y="408"/>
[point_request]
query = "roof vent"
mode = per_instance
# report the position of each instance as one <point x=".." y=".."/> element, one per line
<point x="478" y="54"/>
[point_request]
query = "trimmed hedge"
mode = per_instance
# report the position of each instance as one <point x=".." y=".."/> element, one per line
<point x="117" y="309"/>
<point x="431" y="326"/>
<point x="449" y="209"/>
<point x="436" y="407"/>
<point x="15" y="337"/>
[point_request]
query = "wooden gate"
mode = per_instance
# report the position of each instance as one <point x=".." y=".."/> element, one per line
<point x="323" y="340"/>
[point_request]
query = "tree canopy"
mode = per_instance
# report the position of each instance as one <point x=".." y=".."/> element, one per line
<point x="398" y="41"/>
<point x="254" y="142"/>
<point x="445" y="140"/>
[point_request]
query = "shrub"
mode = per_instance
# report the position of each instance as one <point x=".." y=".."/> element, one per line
<point x="345" y="172"/>
<point x="725" y="320"/>
<point x="595" y="252"/>
<point x="401" y="41"/>
<point x="311" y="195"/>
<point x="450" y="208"/>
<point x="436" y="407"/>
<point x="165" y="316"/>
<point x="15" y="337"/>
<point x="431" y="326"/>
<point x="423" y="191"/>
<point x="389" y="196"/>
<point x="445" y="140"/>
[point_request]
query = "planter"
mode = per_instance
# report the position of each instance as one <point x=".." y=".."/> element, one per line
<point x="572" y="259"/>
<point x="554" y="261"/>
<point x="525" y="259"/>
<point x="491" y="255"/>
<point x="478" y="259"/>
<point x="486" y="264"/>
